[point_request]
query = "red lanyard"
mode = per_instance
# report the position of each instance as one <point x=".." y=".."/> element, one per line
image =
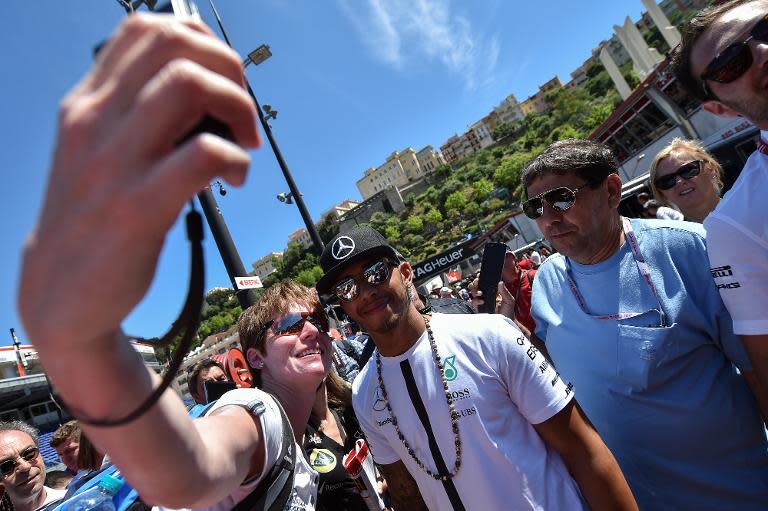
<point x="642" y="266"/>
<point x="762" y="146"/>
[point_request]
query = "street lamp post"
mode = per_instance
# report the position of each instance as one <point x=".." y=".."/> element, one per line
<point x="256" y="57"/>
<point x="316" y="241"/>
<point x="226" y="246"/>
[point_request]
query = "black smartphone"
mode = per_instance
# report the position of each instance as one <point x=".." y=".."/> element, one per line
<point x="490" y="274"/>
<point x="215" y="389"/>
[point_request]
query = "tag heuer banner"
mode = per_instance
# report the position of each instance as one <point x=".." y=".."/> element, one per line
<point x="443" y="261"/>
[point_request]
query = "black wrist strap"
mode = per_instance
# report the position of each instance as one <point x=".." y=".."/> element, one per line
<point x="187" y="322"/>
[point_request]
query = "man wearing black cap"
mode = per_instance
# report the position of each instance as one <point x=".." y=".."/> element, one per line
<point x="460" y="410"/>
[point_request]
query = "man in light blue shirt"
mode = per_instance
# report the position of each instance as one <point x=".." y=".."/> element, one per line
<point x="628" y="312"/>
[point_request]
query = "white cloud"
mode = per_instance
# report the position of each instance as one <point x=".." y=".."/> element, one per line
<point x="403" y="32"/>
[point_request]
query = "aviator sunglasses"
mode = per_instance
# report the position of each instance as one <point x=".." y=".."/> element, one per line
<point x="375" y="274"/>
<point x="730" y="64"/>
<point x="8" y="466"/>
<point x="292" y="324"/>
<point x="687" y="171"/>
<point x="560" y="199"/>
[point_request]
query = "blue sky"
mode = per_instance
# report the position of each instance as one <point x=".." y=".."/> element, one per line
<point x="353" y="80"/>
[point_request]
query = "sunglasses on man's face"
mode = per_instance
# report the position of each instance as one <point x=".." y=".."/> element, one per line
<point x="376" y="274"/>
<point x="292" y="324"/>
<point x="687" y="171"/>
<point x="560" y="199"/>
<point x="730" y="64"/>
<point x="29" y="454"/>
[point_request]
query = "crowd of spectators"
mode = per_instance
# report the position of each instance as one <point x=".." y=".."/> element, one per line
<point x="656" y="325"/>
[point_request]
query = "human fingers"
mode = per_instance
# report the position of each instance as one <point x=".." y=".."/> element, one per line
<point x="476" y="294"/>
<point x="186" y="171"/>
<point x="146" y="43"/>
<point x="175" y="101"/>
<point x="505" y="302"/>
<point x="126" y="34"/>
<point x="473" y="286"/>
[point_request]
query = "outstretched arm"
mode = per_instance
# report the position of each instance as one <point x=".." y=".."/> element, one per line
<point x="588" y="459"/>
<point x="402" y="488"/>
<point x="118" y="181"/>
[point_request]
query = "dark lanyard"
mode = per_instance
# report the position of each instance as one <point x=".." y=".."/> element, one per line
<point x="642" y="266"/>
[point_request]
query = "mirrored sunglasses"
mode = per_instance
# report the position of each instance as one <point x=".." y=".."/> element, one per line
<point x="730" y="64"/>
<point x="8" y="466"/>
<point x="293" y="323"/>
<point x="376" y="274"/>
<point x="560" y="199"/>
<point x="687" y="171"/>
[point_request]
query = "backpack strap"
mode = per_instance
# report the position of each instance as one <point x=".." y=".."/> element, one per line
<point x="273" y="491"/>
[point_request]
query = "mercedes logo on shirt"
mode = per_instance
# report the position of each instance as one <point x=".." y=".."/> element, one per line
<point x="342" y="247"/>
<point x="379" y="405"/>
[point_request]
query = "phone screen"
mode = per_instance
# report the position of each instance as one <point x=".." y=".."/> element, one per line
<point x="490" y="274"/>
<point x="215" y="389"/>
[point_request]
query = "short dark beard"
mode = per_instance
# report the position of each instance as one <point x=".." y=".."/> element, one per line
<point x="397" y="317"/>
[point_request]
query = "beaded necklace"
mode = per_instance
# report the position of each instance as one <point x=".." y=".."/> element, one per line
<point x="448" y="398"/>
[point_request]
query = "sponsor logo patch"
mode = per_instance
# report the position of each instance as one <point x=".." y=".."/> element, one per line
<point x="449" y="368"/>
<point x="322" y="460"/>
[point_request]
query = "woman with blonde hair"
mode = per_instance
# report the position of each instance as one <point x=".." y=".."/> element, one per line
<point x="686" y="176"/>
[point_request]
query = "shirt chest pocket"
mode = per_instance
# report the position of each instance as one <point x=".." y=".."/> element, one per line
<point x="641" y="353"/>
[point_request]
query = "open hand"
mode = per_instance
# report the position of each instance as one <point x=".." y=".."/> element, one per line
<point x="118" y="178"/>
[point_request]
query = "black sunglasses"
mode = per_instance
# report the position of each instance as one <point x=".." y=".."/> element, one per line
<point x="560" y="199"/>
<point x="736" y="59"/>
<point x="292" y="324"/>
<point x="376" y="274"/>
<point x="687" y="171"/>
<point x="8" y="466"/>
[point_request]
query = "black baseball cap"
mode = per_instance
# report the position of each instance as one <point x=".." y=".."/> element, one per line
<point x="345" y="249"/>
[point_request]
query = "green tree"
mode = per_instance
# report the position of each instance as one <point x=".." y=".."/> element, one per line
<point x="379" y="220"/>
<point x="508" y="172"/>
<point x="328" y="227"/>
<point x="430" y="196"/>
<point x="433" y="216"/>
<point x="472" y="210"/>
<point x="412" y="241"/>
<point x="481" y="188"/>
<point x="309" y="277"/>
<point x="414" y="224"/>
<point x="503" y="130"/>
<point x="392" y="233"/>
<point x="493" y="206"/>
<point x="443" y="170"/>
<point x="563" y="132"/>
<point x="455" y="202"/>
<point x="597" y="114"/>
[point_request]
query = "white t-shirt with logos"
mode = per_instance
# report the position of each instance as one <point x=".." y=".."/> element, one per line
<point x="500" y="385"/>
<point x="262" y="405"/>
<point x="737" y="243"/>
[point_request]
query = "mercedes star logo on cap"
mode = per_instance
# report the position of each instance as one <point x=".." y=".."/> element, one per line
<point x="342" y="247"/>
